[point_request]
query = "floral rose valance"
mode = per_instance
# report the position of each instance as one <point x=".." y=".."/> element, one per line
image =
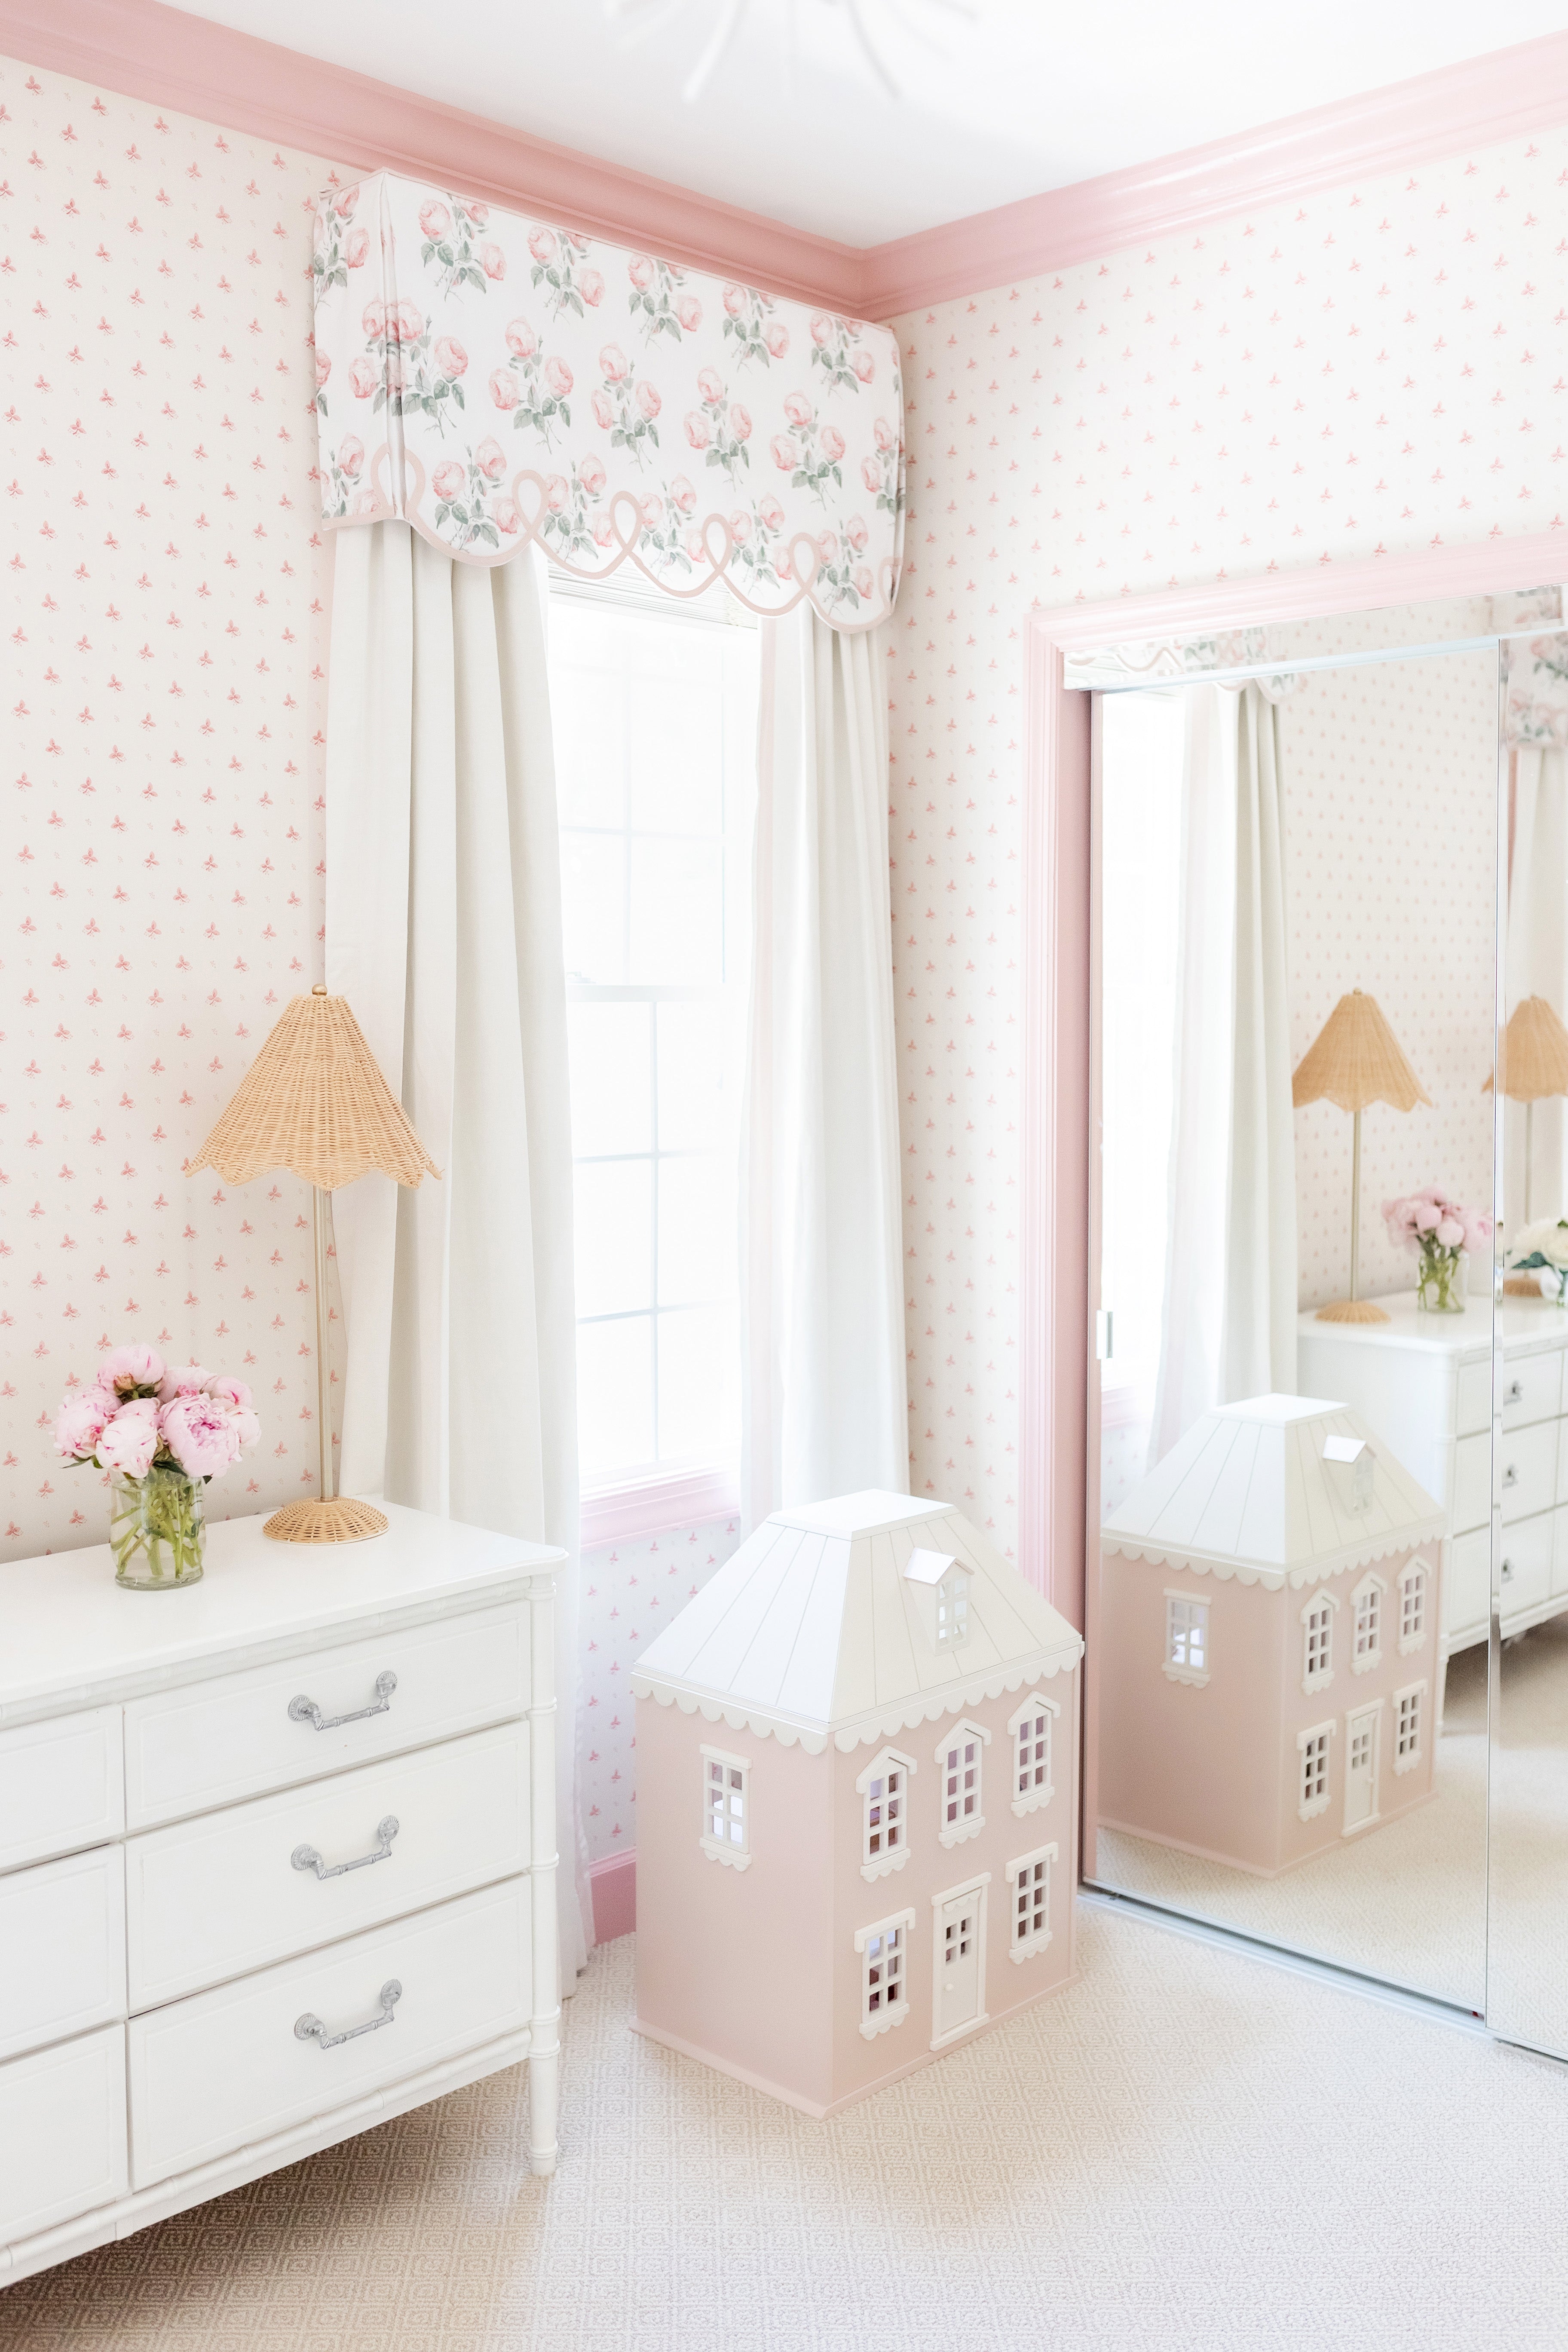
<point x="499" y="382"/>
<point x="1534" y="669"/>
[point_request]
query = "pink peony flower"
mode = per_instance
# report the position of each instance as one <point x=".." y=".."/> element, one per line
<point x="490" y="459"/>
<point x="641" y="270"/>
<point x="776" y="337"/>
<point x="590" y="287"/>
<point x="374" y="321"/>
<point x="505" y="516"/>
<point x="323" y="369"/>
<point x="682" y="495"/>
<point x="604" y="531"/>
<point x="591" y="474"/>
<point x="405" y="323"/>
<point x="856" y="532"/>
<point x="689" y="311"/>
<point x="450" y="357"/>
<point x="828" y="546"/>
<point x="356" y="247"/>
<point x="741" y="422"/>
<point x="200" y="1436"/>
<point x="734" y="301"/>
<point x="740" y="527"/>
<point x="521" y="340"/>
<point x="652" y="508"/>
<point x="863" y="583"/>
<point x="798" y="409"/>
<point x="492" y="261"/>
<point x="771" y="514"/>
<point x="81" y="1422"/>
<point x="363" y="378"/>
<point x="1450" y="1233"/>
<point x="478" y="213"/>
<point x="832" y="444"/>
<point x="351" y="455"/>
<point x="448" y="480"/>
<point x="871" y="474"/>
<point x="786" y="456"/>
<point x="821" y="329"/>
<point x="781" y="565"/>
<point x="505" y="390"/>
<point x="692" y="542"/>
<point x="124" y="1370"/>
<point x="434" y="219"/>
<point x="542" y="244"/>
<point x="864" y="365"/>
<point x="557" y="493"/>
<point x="614" y="365"/>
<point x="232" y="1395"/>
<point x="131" y="1439"/>
<point x="697" y="429"/>
<point x="558" y="376"/>
<point x="887" y="438"/>
<point x="603" y="414"/>
<point x="648" y="401"/>
<point x="710" y="384"/>
<point x="189" y="1379"/>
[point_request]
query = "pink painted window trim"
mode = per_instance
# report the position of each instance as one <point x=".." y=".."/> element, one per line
<point x="647" y="1508"/>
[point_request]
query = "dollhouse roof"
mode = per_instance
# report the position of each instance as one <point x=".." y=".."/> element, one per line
<point x="1275" y="1491"/>
<point x="813" y="1631"/>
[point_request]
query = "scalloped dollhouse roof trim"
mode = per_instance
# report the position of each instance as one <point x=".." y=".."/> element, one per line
<point x="813" y="1737"/>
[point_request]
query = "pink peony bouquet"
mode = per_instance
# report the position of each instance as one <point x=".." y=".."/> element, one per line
<point x="161" y="1435"/>
<point x="1442" y="1232"/>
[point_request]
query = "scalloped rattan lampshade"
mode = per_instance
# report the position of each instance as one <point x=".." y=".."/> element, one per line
<point x="1532" y="1054"/>
<point x="1356" y="1059"/>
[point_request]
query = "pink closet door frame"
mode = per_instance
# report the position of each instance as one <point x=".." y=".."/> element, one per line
<point x="1057" y="1509"/>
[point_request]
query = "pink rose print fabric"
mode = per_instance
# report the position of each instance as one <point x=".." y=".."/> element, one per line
<point x="498" y="382"/>
<point x="1534" y="669"/>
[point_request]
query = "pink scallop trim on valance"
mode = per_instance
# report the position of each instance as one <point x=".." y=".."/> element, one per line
<point x="499" y="383"/>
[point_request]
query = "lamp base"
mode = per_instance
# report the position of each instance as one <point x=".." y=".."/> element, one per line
<point x="1520" y="1285"/>
<point x="1352" y="1310"/>
<point x="342" y="1521"/>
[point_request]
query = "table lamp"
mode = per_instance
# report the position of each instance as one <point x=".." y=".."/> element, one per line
<point x="314" y="1101"/>
<point x="1354" y="1060"/>
<point x="1532" y="1064"/>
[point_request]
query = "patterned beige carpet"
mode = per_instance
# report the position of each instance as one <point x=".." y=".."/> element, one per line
<point x="1188" y="2151"/>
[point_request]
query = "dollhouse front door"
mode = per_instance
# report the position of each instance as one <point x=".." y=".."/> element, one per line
<point x="1361" y="1766"/>
<point x="958" y="2002"/>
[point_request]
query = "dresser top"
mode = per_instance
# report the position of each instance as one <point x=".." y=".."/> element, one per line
<point x="70" y="1636"/>
<point x="1524" y="1325"/>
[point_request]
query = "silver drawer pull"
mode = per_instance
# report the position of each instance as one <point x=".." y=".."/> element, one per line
<point x="1508" y="1572"/>
<point x="305" y="1710"/>
<point x="310" y="2029"/>
<point x="305" y="1857"/>
<point x="1511" y="1476"/>
<point x="1514" y="1392"/>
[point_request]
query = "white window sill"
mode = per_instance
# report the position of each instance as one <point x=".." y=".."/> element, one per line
<point x="1365" y="1666"/>
<point x="1196" y="1676"/>
<point x="871" y="2026"/>
<point x="650" y="1506"/>
<point x="957" y="2033"/>
<point x="883" y="1865"/>
<point x="731" y="1856"/>
<point x="1402" y="1764"/>
<point x="1410" y="1644"/>
<point x="959" y="1832"/>
<point x="1030" y="1946"/>
<point x="1032" y="1803"/>
<point x="1312" y="1683"/>
<point x="1310" y="1812"/>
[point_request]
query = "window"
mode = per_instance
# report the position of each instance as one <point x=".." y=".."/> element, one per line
<point x="884" y="1788"/>
<point x="1366" y="1641"/>
<point x="939" y="1584"/>
<point x="1186" y="1638"/>
<point x="653" y="706"/>
<point x="1409" y="1709"/>
<point x="1030" y="1879"/>
<point x="952" y="1611"/>
<point x="1314" y="1747"/>
<point x="884" y="1982"/>
<point x="958" y="1757"/>
<point x="726" y="1810"/>
<point x="1318" y="1641"/>
<point x="1030" y="1731"/>
<point x="1412" y="1608"/>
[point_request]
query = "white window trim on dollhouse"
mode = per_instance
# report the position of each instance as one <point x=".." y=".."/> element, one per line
<point x="954" y="1833"/>
<point x="1416" y="1574"/>
<point x="733" y="1856"/>
<point x="1309" y="1808"/>
<point x="1362" y="1662"/>
<point x="1318" y="1600"/>
<point x="975" y="1885"/>
<point x="874" y="1866"/>
<point x="1024" y="1948"/>
<point x="1195" y="1676"/>
<point x="1416" y="1691"/>
<point x="894" y="2013"/>
<point x="1036" y="1704"/>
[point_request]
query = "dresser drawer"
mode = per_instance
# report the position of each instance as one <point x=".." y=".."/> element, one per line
<point x="213" y="1742"/>
<point x="1468" y="1589"/>
<point x="227" y="2067"/>
<point x="210" y="1898"/>
<point x="61" y="1785"/>
<point x="1531" y="1389"/>
<point x="1474" y="1400"/>
<point x="62" y="2133"/>
<point x="1524" y="1571"/>
<point x="1527" y="1471"/>
<point x="1471" y="1504"/>
<point x="62" y="1948"/>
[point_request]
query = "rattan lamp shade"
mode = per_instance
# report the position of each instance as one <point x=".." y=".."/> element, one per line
<point x="1356" y="1059"/>
<point x="1532" y="1054"/>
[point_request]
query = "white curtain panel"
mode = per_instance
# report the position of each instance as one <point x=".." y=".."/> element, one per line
<point x="443" y="930"/>
<point x="1536" y="962"/>
<point x="1229" y="1327"/>
<point x="826" y="1409"/>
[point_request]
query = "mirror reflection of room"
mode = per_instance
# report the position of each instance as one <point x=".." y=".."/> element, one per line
<point x="1298" y="951"/>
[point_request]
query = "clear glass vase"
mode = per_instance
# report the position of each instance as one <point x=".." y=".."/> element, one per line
<point x="156" y="1529"/>
<point x="1444" y="1281"/>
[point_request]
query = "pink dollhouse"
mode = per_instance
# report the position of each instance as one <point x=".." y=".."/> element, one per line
<point x="856" y="1768"/>
<point x="1269" y="1608"/>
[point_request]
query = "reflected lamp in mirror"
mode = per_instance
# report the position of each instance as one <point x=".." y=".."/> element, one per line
<point x="1356" y="1060"/>
<point x="314" y="1101"/>
<point x="1531" y="1066"/>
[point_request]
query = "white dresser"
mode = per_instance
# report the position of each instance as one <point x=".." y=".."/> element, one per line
<point x="277" y="1861"/>
<point x="1424" y="1383"/>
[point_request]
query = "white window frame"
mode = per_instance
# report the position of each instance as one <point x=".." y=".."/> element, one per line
<point x="1371" y="1584"/>
<point x="1036" y="1704"/>
<point x="1417" y="1692"/>
<point x="1024" y="1948"/>
<point x="950" y="1594"/>
<point x="954" y="1833"/>
<point x="891" y="2013"/>
<point x="1194" y="1678"/>
<point x="979" y="1885"/>
<point x="1416" y="1573"/>
<point x="1309" y="1808"/>
<point x="874" y="1866"/>
<point x="1316" y="1602"/>
<point x="733" y="1855"/>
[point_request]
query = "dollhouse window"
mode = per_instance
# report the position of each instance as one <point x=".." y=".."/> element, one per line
<point x="1409" y="1710"/>
<point x="884" y="1982"/>
<point x="938" y="1585"/>
<point x="1366" y="1637"/>
<point x="1412" y="1608"/>
<point x="1186" y="1639"/>
<point x="959" y="1797"/>
<point x="1030" y="1879"/>
<point x="884" y="1791"/>
<point x="952" y="1611"/>
<point x="1030" y="1732"/>
<point x="726" y="1808"/>
<point x="1318" y="1641"/>
<point x="1313" y="1748"/>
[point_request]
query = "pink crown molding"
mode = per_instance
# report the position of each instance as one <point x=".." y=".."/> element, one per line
<point x="143" y="49"/>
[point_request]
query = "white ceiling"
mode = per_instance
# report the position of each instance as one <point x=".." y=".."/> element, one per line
<point x="1032" y="95"/>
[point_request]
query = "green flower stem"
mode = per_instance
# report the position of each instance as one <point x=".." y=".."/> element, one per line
<point x="156" y="1529"/>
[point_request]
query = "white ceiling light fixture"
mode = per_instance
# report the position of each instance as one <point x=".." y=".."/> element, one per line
<point x="639" y="17"/>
